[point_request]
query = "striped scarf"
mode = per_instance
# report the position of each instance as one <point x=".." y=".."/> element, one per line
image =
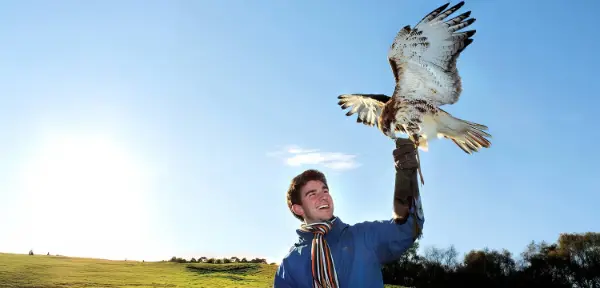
<point x="323" y="268"/>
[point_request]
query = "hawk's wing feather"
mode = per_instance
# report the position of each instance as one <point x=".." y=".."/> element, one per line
<point x="423" y="59"/>
<point x="368" y="106"/>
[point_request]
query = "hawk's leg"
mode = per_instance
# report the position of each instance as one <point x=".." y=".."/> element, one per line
<point x="415" y="139"/>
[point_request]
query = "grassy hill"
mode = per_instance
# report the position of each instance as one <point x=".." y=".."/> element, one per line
<point x="42" y="271"/>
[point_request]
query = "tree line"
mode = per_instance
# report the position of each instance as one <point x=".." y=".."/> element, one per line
<point x="573" y="261"/>
<point x="225" y="260"/>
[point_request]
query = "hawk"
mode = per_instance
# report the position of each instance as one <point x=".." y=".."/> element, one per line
<point x="423" y="61"/>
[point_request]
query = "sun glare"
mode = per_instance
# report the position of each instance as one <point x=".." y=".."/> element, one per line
<point x="86" y="195"/>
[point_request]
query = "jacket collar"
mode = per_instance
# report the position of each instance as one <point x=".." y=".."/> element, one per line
<point x="332" y="236"/>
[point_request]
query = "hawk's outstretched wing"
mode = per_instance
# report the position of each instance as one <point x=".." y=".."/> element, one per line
<point x="368" y="106"/>
<point x="423" y="59"/>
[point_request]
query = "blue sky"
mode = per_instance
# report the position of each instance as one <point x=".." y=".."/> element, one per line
<point x="147" y="129"/>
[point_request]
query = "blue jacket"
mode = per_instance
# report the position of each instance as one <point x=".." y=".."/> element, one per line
<point x="358" y="250"/>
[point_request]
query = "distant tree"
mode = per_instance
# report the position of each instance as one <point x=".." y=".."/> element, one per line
<point x="407" y="262"/>
<point x="31" y="252"/>
<point x="259" y="260"/>
<point x="193" y="260"/>
<point x="244" y="260"/>
<point x="447" y="258"/>
<point x="543" y="267"/>
<point x="582" y="252"/>
<point x="177" y="260"/>
<point x="487" y="268"/>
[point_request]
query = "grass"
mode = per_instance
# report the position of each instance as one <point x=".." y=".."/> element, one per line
<point x="24" y="271"/>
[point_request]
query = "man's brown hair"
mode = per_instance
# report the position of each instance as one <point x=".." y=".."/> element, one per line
<point x="293" y="193"/>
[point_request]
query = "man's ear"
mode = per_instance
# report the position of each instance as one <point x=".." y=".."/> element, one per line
<point x="298" y="210"/>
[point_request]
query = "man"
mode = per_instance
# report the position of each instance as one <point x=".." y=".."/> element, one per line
<point x="331" y="253"/>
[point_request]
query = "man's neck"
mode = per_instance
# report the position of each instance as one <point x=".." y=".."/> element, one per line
<point x="319" y="221"/>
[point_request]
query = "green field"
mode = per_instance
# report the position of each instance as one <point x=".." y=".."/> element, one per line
<point x="42" y="271"/>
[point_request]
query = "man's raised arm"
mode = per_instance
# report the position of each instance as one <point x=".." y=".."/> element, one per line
<point x="407" y="199"/>
<point x="390" y="239"/>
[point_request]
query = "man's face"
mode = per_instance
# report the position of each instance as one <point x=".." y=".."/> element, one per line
<point x="317" y="204"/>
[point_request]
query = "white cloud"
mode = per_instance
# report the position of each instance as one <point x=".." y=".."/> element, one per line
<point x="296" y="156"/>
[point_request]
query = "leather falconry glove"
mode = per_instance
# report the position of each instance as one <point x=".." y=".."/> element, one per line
<point x="406" y="188"/>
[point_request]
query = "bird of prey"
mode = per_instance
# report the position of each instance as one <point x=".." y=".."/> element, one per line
<point x="423" y="61"/>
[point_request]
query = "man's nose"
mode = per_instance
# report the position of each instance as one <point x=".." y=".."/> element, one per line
<point x="322" y="196"/>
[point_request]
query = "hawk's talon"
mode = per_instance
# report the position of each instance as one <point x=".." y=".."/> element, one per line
<point x="415" y="139"/>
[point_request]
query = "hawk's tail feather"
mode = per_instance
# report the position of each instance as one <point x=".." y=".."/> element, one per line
<point x="468" y="136"/>
<point x="480" y="127"/>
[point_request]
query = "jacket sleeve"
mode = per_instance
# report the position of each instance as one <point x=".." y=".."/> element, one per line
<point x="391" y="238"/>
<point x="282" y="277"/>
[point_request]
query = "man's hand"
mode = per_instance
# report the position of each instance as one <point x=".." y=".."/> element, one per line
<point x="406" y="189"/>
<point x="405" y="154"/>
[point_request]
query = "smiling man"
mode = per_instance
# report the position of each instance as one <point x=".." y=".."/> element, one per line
<point x="331" y="253"/>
